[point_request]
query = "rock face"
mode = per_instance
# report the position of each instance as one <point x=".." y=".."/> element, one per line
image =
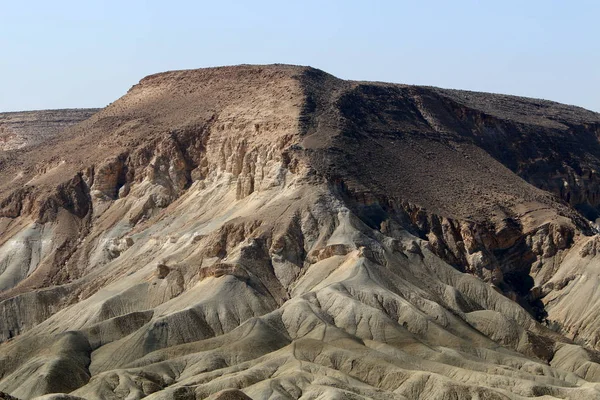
<point x="20" y="129"/>
<point x="275" y="232"/>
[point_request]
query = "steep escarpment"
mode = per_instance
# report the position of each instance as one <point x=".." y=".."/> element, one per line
<point x="403" y="153"/>
<point x="273" y="231"/>
<point x="553" y="146"/>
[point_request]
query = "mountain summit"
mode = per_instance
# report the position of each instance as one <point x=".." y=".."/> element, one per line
<point x="276" y="232"/>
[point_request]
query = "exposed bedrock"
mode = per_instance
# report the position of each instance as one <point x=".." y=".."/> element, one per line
<point x="275" y="232"/>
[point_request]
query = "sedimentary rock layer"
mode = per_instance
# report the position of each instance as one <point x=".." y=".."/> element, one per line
<point x="275" y="232"/>
<point x="20" y="129"/>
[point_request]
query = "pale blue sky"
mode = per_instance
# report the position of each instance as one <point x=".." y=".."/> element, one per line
<point x="57" y="54"/>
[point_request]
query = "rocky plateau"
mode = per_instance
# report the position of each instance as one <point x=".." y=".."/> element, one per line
<point x="274" y="232"/>
<point x="20" y="129"/>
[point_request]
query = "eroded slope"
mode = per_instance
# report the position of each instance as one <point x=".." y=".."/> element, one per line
<point x="278" y="231"/>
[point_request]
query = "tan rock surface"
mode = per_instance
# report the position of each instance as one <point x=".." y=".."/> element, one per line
<point x="274" y="232"/>
<point x="21" y="129"/>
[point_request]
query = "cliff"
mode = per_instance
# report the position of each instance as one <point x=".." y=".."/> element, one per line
<point x="282" y="232"/>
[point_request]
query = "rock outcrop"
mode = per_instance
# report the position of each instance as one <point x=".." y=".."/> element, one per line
<point x="275" y="232"/>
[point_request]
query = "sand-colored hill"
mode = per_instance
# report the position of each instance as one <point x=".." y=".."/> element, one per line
<point x="275" y="232"/>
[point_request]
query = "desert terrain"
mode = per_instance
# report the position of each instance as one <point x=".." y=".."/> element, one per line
<point x="274" y="232"/>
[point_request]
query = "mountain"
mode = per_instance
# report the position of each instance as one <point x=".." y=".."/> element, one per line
<point x="20" y="129"/>
<point x="276" y="232"/>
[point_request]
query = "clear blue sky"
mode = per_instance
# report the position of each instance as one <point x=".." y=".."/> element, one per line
<point x="57" y="54"/>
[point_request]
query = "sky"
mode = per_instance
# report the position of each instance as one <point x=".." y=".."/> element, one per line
<point x="72" y="54"/>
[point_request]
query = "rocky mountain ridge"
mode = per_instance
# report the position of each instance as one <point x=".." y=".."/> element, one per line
<point x="282" y="232"/>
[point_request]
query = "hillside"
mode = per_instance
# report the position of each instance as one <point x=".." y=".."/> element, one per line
<point x="276" y="232"/>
